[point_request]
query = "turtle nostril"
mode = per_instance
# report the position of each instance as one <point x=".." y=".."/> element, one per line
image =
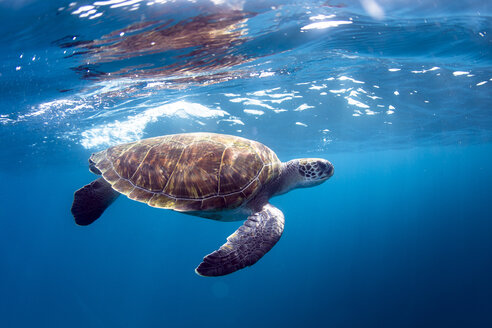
<point x="330" y="170"/>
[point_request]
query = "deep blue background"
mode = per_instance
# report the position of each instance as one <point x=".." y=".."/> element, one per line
<point x="394" y="239"/>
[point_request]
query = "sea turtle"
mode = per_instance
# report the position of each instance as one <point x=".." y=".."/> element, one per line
<point x="215" y="176"/>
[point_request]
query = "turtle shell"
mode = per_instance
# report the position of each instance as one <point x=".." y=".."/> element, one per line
<point x="188" y="172"/>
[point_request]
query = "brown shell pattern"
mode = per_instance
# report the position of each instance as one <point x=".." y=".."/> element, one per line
<point x="189" y="172"/>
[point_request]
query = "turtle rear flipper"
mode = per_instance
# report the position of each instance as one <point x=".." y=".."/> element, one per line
<point x="90" y="201"/>
<point x="247" y="245"/>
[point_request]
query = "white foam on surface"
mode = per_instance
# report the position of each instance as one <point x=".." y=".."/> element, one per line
<point x="346" y="78"/>
<point x="357" y="103"/>
<point x="233" y="121"/>
<point x="132" y="129"/>
<point x="426" y="70"/>
<point x="340" y="90"/>
<point x="459" y="73"/>
<point x="251" y="102"/>
<point x="126" y="3"/>
<point x="317" y="87"/>
<point x="108" y="2"/>
<point x="303" y="107"/>
<point x="254" y="112"/>
<point x="323" y="25"/>
<point x="82" y="9"/>
<point x="321" y="17"/>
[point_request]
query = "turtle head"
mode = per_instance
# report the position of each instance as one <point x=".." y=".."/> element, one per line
<point x="303" y="173"/>
<point x="313" y="171"/>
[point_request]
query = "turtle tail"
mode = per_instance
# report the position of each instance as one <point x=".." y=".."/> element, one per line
<point x="90" y="201"/>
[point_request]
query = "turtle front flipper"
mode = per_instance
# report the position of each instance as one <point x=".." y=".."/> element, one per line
<point x="247" y="245"/>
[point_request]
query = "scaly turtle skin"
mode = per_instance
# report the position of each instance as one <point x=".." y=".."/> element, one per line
<point x="215" y="176"/>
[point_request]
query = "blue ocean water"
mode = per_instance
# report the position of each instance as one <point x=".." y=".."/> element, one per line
<point x="395" y="93"/>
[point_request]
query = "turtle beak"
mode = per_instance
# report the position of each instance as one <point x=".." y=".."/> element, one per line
<point x="327" y="168"/>
<point x="330" y="170"/>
